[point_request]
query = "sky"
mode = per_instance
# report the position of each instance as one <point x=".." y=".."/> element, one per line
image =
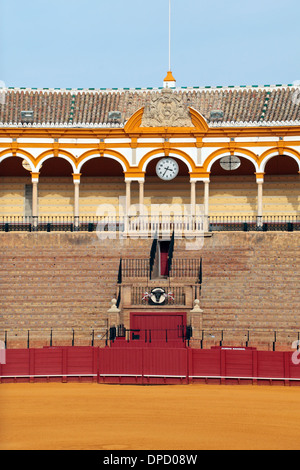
<point x="124" y="44"/>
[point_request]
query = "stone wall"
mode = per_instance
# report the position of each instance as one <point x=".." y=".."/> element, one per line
<point x="66" y="281"/>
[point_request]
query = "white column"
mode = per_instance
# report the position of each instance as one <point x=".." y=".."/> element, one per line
<point x="260" y="200"/>
<point x="35" y="181"/>
<point x="76" y="181"/>
<point x="260" y="182"/>
<point x="206" y="206"/>
<point x="128" y="196"/>
<point x="141" y="193"/>
<point x="193" y="197"/>
<point x="76" y="198"/>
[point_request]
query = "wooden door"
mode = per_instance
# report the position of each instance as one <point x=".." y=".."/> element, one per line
<point x="164" y="252"/>
<point x="159" y="329"/>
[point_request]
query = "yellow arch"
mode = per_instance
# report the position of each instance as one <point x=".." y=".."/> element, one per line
<point x="233" y="151"/>
<point x="268" y="155"/>
<point x="184" y="157"/>
<point x="57" y="154"/>
<point x="104" y="153"/>
<point x="12" y="153"/>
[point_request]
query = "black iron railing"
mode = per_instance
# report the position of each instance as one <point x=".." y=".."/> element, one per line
<point x="152" y="226"/>
<point x="174" y="295"/>
<point x="133" y="268"/>
<point x="259" y="338"/>
<point x="286" y="223"/>
<point x="183" y="268"/>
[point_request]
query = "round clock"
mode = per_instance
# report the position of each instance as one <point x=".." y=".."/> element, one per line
<point x="167" y="169"/>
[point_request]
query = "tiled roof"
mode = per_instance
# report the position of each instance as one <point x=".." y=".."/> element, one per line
<point x="240" y="106"/>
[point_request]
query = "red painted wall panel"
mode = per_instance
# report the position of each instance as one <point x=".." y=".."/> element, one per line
<point x="270" y="364"/>
<point x="48" y="362"/>
<point x="205" y="363"/>
<point x="294" y="368"/>
<point x="81" y="360"/>
<point x="120" y="361"/>
<point x="17" y="362"/>
<point x="165" y="362"/>
<point x="238" y="363"/>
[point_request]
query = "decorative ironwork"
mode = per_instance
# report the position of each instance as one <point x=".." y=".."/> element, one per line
<point x="146" y="295"/>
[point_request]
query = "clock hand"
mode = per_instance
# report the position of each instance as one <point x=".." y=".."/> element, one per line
<point x="167" y="169"/>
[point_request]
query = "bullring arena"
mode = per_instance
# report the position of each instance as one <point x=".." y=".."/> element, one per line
<point x="129" y="418"/>
<point x="149" y="243"/>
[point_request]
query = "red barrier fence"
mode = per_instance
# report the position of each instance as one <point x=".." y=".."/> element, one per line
<point x="50" y="364"/>
<point x="150" y="366"/>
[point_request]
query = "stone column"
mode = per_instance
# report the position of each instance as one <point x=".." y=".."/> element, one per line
<point x="195" y="319"/>
<point x="35" y="182"/>
<point x="142" y="212"/>
<point x="193" y="197"/>
<point x="141" y="193"/>
<point x="260" y="182"/>
<point x="76" y="181"/>
<point x="127" y="206"/>
<point x="114" y="314"/>
<point x="206" y="206"/>
<point x="128" y="196"/>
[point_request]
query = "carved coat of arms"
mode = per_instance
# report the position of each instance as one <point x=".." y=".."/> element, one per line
<point x="166" y="109"/>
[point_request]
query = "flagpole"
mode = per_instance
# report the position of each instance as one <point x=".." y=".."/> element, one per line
<point x="169" y="35"/>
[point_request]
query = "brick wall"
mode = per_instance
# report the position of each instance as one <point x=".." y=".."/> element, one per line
<point x="60" y="281"/>
<point x="65" y="281"/>
<point x="250" y="281"/>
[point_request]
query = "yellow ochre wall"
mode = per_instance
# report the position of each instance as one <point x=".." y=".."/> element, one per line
<point x="230" y="195"/>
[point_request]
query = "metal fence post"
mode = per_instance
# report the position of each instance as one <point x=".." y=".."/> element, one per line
<point x="274" y="342"/>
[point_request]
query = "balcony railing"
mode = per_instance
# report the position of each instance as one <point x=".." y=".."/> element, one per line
<point x="287" y="223"/>
<point x="140" y="295"/>
<point x="150" y="226"/>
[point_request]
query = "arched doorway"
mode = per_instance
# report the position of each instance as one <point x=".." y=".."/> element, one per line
<point x="281" y="187"/>
<point x="102" y="183"/>
<point x="15" y="188"/>
<point x="55" y="188"/>
<point x="233" y="191"/>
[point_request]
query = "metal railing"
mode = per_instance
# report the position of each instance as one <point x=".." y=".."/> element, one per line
<point x="272" y="339"/>
<point x="182" y="268"/>
<point x="140" y="268"/>
<point x="132" y="268"/>
<point x="284" y="223"/>
<point x="42" y="337"/>
<point x="150" y="227"/>
<point x="140" y="295"/>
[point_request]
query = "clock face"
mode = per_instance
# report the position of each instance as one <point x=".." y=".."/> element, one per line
<point x="167" y="169"/>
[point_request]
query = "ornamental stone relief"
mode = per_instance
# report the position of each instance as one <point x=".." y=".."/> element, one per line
<point x="167" y="109"/>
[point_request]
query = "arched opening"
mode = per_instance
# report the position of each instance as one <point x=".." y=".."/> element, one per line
<point x="281" y="186"/>
<point x="233" y="191"/>
<point x="55" y="188"/>
<point x="102" y="183"/>
<point x="159" y="191"/>
<point x="15" y="188"/>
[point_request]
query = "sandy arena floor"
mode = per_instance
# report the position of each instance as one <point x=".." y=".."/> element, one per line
<point x="108" y="417"/>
